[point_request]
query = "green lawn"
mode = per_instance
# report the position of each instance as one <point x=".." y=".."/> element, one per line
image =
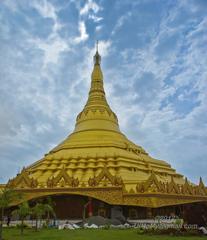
<point x="86" y="234"/>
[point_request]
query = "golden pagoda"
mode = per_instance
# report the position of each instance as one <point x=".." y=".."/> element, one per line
<point x="97" y="161"/>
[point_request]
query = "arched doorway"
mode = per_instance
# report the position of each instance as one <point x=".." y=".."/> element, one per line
<point x="68" y="206"/>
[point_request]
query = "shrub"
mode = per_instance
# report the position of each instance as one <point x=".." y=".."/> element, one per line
<point x="24" y="225"/>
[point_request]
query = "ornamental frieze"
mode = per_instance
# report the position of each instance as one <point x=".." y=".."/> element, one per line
<point x="105" y="176"/>
<point x="22" y="180"/>
<point x="62" y="180"/>
<point x="152" y="185"/>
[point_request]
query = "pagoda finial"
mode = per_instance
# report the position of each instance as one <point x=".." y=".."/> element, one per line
<point x="201" y="182"/>
<point x="97" y="46"/>
<point x="97" y="57"/>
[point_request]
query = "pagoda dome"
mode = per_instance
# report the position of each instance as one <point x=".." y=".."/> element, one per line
<point x="97" y="142"/>
<point x="99" y="161"/>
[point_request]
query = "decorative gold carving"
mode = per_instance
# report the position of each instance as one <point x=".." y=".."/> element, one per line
<point x="23" y="180"/>
<point x="110" y="195"/>
<point x="62" y="180"/>
<point x="151" y="185"/>
<point x="105" y="175"/>
<point x="172" y="187"/>
<point x="187" y="188"/>
<point x="131" y="191"/>
<point x="116" y="196"/>
<point x="200" y="189"/>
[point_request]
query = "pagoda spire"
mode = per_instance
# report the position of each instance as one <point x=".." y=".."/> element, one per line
<point x="97" y="57"/>
<point x="97" y="85"/>
<point x="97" y="109"/>
<point x="97" y="46"/>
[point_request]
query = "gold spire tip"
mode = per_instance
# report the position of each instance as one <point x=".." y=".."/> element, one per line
<point x="97" y="46"/>
<point x="97" y="57"/>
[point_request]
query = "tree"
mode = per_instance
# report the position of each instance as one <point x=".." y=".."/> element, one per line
<point x="22" y="212"/>
<point x="39" y="210"/>
<point x="7" y="196"/>
<point x="49" y="206"/>
<point x="48" y="210"/>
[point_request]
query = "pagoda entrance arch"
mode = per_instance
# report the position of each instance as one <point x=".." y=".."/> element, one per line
<point x="71" y="205"/>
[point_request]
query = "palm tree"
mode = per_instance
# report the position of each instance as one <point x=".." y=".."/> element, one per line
<point x="49" y="206"/>
<point x="7" y="196"/>
<point x="48" y="210"/>
<point x="39" y="210"/>
<point x="22" y="212"/>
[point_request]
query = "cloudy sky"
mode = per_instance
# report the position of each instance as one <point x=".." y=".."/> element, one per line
<point x="154" y="58"/>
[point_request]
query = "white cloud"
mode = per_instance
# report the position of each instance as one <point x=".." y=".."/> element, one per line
<point x="104" y="47"/>
<point x="52" y="48"/>
<point x="54" y="44"/>
<point x="90" y="5"/>
<point x="48" y="10"/>
<point x="45" y="9"/>
<point x="83" y="34"/>
<point x="120" y="22"/>
<point x="95" y="18"/>
<point x="98" y="28"/>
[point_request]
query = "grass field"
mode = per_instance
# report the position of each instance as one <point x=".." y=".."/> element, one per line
<point x="86" y="234"/>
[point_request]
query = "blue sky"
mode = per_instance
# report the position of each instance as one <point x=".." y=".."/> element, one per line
<point x="154" y="63"/>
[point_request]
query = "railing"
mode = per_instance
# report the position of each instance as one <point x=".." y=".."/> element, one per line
<point x="32" y="223"/>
